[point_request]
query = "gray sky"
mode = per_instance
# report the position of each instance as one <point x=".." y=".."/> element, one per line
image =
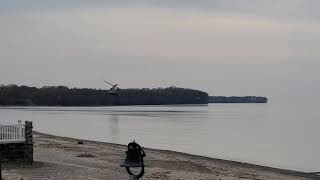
<point x="224" y="47"/>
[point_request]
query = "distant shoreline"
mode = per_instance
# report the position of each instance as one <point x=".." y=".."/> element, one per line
<point x="14" y="95"/>
<point x="237" y="99"/>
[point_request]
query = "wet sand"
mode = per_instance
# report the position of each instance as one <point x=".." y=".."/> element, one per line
<point x="57" y="158"/>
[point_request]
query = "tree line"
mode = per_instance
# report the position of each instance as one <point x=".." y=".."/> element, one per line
<point x="14" y="95"/>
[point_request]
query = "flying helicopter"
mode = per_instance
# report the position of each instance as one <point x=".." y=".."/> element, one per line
<point x="114" y="90"/>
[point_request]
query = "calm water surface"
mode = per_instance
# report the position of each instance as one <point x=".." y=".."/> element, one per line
<point x="284" y="136"/>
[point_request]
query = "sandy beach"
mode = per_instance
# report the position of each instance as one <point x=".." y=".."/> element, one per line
<point x="58" y="158"/>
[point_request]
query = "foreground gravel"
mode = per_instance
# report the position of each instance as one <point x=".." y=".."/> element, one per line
<point x="58" y="158"/>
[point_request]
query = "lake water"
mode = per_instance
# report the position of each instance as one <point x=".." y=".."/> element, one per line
<point x="278" y="135"/>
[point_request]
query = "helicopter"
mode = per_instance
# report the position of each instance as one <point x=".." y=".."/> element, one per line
<point x="114" y="90"/>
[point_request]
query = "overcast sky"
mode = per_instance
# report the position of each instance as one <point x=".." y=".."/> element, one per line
<point x="223" y="47"/>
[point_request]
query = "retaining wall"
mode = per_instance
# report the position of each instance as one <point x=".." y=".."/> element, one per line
<point x="22" y="152"/>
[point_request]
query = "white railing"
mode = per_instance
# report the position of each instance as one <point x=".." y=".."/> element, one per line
<point x="12" y="133"/>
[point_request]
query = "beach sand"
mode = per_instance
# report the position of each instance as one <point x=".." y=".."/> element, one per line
<point x="57" y="158"/>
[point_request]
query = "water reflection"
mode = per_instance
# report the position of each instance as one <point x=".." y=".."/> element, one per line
<point x="114" y="130"/>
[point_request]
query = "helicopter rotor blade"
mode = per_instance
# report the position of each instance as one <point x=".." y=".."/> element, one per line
<point x="108" y="83"/>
